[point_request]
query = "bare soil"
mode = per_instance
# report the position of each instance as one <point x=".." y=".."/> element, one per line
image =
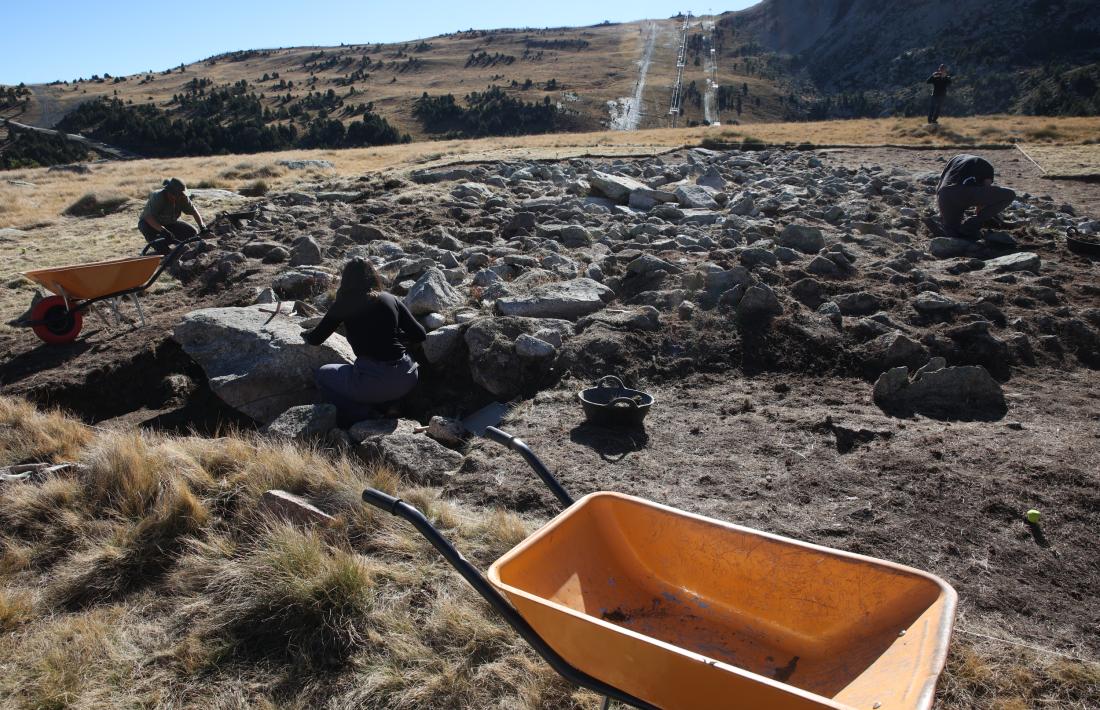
<point x="765" y="452"/>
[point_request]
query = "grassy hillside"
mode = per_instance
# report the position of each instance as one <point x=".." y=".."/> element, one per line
<point x="497" y="82"/>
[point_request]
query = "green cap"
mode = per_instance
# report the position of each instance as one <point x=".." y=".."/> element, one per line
<point x="175" y="185"/>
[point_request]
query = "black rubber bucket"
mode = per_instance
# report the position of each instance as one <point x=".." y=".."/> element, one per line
<point x="610" y="403"/>
<point x="1086" y="245"/>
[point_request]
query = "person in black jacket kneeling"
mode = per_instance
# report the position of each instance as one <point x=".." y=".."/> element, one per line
<point x="967" y="182"/>
<point x="375" y="323"/>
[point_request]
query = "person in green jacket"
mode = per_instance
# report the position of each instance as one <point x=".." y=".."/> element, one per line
<point x="160" y="220"/>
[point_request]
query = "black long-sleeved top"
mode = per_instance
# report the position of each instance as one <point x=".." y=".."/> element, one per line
<point x="939" y="84"/>
<point x="963" y="167"/>
<point x="375" y="326"/>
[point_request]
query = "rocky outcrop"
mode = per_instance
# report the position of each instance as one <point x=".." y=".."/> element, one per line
<point x="257" y="367"/>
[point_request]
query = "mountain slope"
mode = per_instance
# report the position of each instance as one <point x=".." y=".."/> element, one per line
<point x="1001" y="52"/>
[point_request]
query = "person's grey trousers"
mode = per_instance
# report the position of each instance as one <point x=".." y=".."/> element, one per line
<point x="954" y="200"/>
<point x="355" y="389"/>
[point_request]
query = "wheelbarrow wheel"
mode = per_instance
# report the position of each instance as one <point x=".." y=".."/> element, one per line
<point x="57" y="324"/>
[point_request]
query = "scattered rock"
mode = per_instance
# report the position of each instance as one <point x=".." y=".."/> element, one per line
<point x="306" y="252"/>
<point x="565" y="299"/>
<point x="949" y="248"/>
<point x="531" y="348"/>
<point x="932" y="303"/>
<point x="97" y="205"/>
<point x="806" y="239"/>
<point x="616" y="188"/>
<point x="1022" y="261"/>
<point x="759" y="303"/>
<point x="447" y="431"/>
<point x="301" y="283"/>
<point x="860" y="303"/>
<point x="276" y="255"/>
<point x="375" y="428"/>
<point x="416" y="458"/>
<point x="643" y="319"/>
<point x="305" y="164"/>
<point x="304" y="423"/>
<point x="432" y="293"/>
<point x="696" y="197"/>
<point x="965" y="393"/>
<point x="441" y="342"/>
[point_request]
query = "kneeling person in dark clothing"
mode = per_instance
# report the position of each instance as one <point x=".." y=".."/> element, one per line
<point x="160" y="220"/>
<point x="375" y="323"/>
<point x="967" y="182"/>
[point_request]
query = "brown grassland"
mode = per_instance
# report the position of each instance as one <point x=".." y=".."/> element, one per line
<point x="149" y="575"/>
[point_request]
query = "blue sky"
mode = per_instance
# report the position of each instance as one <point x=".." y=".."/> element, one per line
<point x="67" y="39"/>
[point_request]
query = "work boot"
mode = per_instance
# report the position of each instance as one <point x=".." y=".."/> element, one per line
<point x="998" y="223"/>
<point x="934" y="227"/>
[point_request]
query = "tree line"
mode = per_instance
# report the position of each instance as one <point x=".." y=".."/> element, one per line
<point x="32" y="149"/>
<point x="489" y="113"/>
<point x="238" y="128"/>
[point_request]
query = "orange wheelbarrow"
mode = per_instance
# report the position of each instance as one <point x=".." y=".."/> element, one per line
<point x="659" y="608"/>
<point x="58" y="319"/>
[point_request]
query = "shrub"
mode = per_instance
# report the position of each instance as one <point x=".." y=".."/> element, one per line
<point x="256" y="188"/>
<point x="96" y="205"/>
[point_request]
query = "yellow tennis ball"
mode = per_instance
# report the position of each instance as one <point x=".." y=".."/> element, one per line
<point x="1033" y="516"/>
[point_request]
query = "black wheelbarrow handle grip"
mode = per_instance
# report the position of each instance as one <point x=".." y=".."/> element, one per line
<point x="499" y="436"/>
<point x="380" y="500"/>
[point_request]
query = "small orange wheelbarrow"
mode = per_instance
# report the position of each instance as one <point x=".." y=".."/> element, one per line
<point x="659" y="608"/>
<point x="58" y="319"/>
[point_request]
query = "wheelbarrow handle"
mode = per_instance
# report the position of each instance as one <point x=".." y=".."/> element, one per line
<point x="516" y="444"/>
<point x="380" y="500"/>
<point x="471" y="574"/>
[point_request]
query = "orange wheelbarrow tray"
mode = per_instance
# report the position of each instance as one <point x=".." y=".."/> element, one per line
<point x="660" y="608"/>
<point x="58" y="319"/>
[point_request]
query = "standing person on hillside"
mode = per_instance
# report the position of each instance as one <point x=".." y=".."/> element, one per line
<point x="939" y="80"/>
<point x="160" y="220"/>
<point x="967" y="182"/>
<point x="375" y="323"/>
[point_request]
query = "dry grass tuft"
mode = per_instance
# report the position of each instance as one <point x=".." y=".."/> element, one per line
<point x="16" y="609"/>
<point x="69" y="661"/>
<point x="994" y="675"/>
<point x="135" y="554"/>
<point x="128" y="471"/>
<point x="29" y="435"/>
<point x="289" y="596"/>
